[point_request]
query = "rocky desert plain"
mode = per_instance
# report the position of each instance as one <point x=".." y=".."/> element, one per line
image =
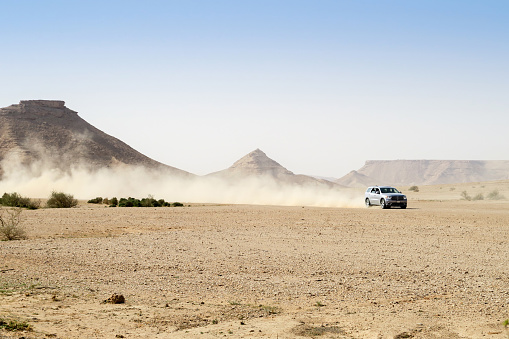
<point x="253" y="269"/>
<point x="438" y="269"/>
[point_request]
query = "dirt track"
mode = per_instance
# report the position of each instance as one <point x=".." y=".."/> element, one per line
<point x="435" y="270"/>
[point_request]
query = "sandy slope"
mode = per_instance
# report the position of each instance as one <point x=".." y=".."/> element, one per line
<point x="435" y="270"/>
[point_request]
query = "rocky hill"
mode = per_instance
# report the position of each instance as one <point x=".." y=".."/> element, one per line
<point x="356" y="179"/>
<point x="46" y="131"/>
<point x="257" y="164"/>
<point x="426" y="172"/>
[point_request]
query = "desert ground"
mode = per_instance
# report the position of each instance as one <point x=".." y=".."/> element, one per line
<point x="438" y="269"/>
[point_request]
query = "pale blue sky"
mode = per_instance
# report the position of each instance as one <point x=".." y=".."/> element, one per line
<point x="320" y="86"/>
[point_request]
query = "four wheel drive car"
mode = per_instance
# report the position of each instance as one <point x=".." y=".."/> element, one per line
<point x="385" y="196"/>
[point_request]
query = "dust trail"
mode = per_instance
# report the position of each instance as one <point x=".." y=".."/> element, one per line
<point x="39" y="179"/>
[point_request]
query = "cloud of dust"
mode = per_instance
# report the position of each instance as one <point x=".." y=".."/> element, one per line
<point x="40" y="178"/>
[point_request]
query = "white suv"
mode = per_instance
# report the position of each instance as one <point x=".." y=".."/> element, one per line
<point x="385" y="196"/>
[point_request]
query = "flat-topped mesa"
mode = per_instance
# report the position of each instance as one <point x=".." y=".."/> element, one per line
<point x="45" y="134"/>
<point x="34" y="109"/>
<point x="43" y="103"/>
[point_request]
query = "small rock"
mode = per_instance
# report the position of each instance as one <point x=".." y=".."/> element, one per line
<point x="115" y="299"/>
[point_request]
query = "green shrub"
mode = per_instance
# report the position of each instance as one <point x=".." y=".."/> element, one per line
<point x="414" y="188"/>
<point x="12" y="199"/>
<point x="16" y="200"/>
<point x="97" y="200"/>
<point x="164" y="203"/>
<point x="61" y="200"/>
<point x="149" y="201"/>
<point x="10" y="228"/>
<point x="122" y="202"/>
<point x="114" y="202"/>
<point x="129" y="202"/>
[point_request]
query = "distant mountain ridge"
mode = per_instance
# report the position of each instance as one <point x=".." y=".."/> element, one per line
<point x="49" y="132"/>
<point x="425" y="172"/>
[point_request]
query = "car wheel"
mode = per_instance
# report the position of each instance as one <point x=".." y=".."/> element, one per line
<point x="403" y="206"/>
<point x="383" y="204"/>
<point x="368" y="204"/>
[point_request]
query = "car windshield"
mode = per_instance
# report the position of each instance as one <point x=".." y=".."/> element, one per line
<point x="389" y="190"/>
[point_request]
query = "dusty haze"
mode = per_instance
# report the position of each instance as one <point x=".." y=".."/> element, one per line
<point x="40" y="178"/>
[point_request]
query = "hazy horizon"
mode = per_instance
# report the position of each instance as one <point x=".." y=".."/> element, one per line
<point x="319" y="86"/>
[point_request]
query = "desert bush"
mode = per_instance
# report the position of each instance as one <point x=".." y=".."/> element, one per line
<point x="149" y="201"/>
<point x="61" y="200"/>
<point x="317" y="331"/>
<point x="495" y="195"/>
<point x="14" y="325"/>
<point x="16" y="200"/>
<point x="122" y="202"/>
<point x="164" y="203"/>
<point x="465" y="196"/>
<point x="129" y="202"/>
<point x="10" y="228"/>
<point x="33" y="204"/>
<point x="479" y="196"/>
<point x="114" y="202"/>
<point x="97" y="200"/>
<point x="414" y="188"/>
<point x="13" y="199"/>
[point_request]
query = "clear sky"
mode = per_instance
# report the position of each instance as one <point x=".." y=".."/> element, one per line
<point x="319" y="86"/>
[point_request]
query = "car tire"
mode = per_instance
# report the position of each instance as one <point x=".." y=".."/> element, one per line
<point x="368" y="203"/>
<point x="403" y="206"/>
<point x="383" y="204"/>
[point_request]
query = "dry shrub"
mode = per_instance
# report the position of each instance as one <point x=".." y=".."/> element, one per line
<point x="479" y="196"/>
<point x="316" y="331"/>
<point x="495" y="195"/>
<point x="465" y="196"/>
<point x="10" y="228"/>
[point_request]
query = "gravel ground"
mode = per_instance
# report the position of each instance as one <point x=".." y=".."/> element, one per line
<point x="434" y="270"/>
